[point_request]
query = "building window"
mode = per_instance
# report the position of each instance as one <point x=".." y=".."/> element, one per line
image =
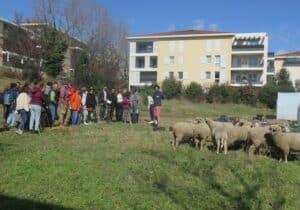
<point x="153" y="62"/>
<point x="171" y="74"/>
<point x="180" y="75"/>
<point x="146" y="77"/>
<point x="144" y="47"/>
<point x="172" y="60"/>
<point x="140" y="62"/>
<point x="218" y="60"/>
<point x="208" y="59"/>
<point x="217" y="77"/>
<point x="207" y="75"/>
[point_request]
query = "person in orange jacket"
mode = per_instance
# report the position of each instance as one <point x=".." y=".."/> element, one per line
<point x="75" y="102"/>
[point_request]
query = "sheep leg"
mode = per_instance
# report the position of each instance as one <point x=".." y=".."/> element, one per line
<point x="251" y="150"/>
<point x="202" y="144"/>
<point x="286" y="152"/>
<point x="218" y="146"/>
<point x="197" y="143"/>
<point x="225" y="146"/>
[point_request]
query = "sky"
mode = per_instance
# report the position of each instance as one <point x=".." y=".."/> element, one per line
<point x="280" y="19"/>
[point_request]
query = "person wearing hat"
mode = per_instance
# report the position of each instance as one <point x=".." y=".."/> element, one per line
<point x="91" y="104"/>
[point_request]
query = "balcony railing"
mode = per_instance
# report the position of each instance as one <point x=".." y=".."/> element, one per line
<point x="248" y="48"/>
<point x="247" y="66"/>
<point x="271" y="70"/>
<point x="246" y="82"/>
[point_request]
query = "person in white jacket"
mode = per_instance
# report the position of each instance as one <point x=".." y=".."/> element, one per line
<point x="22" y="107"/>
<point x="85" y="112"/>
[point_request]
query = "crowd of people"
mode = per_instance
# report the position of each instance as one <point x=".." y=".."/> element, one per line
<point x="31" y="107"/>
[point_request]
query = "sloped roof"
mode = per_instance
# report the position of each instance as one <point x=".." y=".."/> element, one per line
<point x="290" y="54"/>
<point x="181" y="33"/>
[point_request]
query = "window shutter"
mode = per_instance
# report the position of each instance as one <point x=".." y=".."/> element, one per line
<point x="185" y="75"/>
<point x="167" y="60"/>
<point x="172" y="46"/>
<point x="218" y="45"/>
<point x="181" y="46"/>
<point x="222" y="77"/>
<point x="223" y="63"/>
<point x="203" y="59"/>
<point x="208" y="45"/>
<point x="180" y="59"/>
<point x="202" y="75"/>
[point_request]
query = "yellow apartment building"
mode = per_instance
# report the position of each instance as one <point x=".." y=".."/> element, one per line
<point x="205" y="57"/>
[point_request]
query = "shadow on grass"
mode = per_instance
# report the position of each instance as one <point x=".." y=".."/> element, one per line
<point x="12" y="203"/>
<point x="243" y="194"/>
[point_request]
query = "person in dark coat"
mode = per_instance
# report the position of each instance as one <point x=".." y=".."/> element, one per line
<point x="103" y="95"/>
<point x="91" y="104"/>
<point x="113" y="106"/>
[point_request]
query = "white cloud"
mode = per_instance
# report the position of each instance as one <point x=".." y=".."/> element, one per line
<point x="199" y="24"/>
<point x="213" y="27"/>
<point x="171" y="27"/>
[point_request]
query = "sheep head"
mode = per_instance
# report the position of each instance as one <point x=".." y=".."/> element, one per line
<point x="275" y="129"/>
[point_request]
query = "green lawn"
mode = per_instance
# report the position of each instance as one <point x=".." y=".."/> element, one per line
<point x="116" y="166"/>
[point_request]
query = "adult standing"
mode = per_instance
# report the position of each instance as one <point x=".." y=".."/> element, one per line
<point x="22" y="107"/>
<point x="113" y="106"/>
<point x="13" y="93"/>
<point x="75" y="102"/>
<point x="119" y="108"/>
<point x="63" y="105"/>
<point x="134" y="101"/>
<point x="91" y="104"/>
<point x="52" y="98"/>
<point x="37" y="100"/>
<point x="103" y="102"/>
<point x="157" y="98"/>
<point x="85" y="113"/>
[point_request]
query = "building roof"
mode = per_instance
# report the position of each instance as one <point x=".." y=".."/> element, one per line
<point x="185" y="33"/>
<point x="290" y="54"/>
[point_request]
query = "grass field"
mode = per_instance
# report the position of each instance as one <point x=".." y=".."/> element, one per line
<point x="116" y="166"/>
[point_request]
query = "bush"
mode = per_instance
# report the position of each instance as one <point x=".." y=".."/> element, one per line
<point x="194" y="92"/>
<point x="283" y="81"/>
<point x="219" y="94"/>
<point x="171" y="88"/>
<point x="248" y="95"/>
<point x="268" y="94"/>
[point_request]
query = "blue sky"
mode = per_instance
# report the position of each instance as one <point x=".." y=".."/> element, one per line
<point x="281" y="19"/>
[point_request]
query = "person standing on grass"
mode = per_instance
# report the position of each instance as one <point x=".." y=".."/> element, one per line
<point x="113" y="106"/>
<point x="103" y="102"/>
<point x="52" y="98"/>
<point x="119" y="108"/>
<point x="134" y="102"/>
<point x="13" y="93"/>
<point x="126" y="109"/>
<point x="150" y="106"/>
<point x="63" y="105"/>
<point x="22" y="107"/>
<point x="84" y="110"/>
<point x="157" y="98"/>
<point x="37" y="100"/>
<point x="75" y="102"/>
<point x="91" y="104"/>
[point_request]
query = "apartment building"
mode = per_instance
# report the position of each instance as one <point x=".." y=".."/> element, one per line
<point x="289" y="61"/>
<point x="19" y="46"/>
<point x="206" y="57"/>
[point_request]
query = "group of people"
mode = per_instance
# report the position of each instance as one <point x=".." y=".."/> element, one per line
<point x="61" y="104"/>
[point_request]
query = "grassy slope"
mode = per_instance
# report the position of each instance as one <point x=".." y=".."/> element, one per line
<point x="115" y="166"/>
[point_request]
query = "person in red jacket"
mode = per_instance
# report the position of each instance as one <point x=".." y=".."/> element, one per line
<point x="37" y="100"/>
<point x="75" y="102"/>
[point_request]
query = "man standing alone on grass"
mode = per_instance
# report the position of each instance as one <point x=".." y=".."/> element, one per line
<point x="157" y="97"/>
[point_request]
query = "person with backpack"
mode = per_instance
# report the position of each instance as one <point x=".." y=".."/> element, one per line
<point x="22" y="107"/>
<point x="37" y="101"/>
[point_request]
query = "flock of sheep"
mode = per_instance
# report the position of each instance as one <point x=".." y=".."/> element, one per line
<point x="255" y="136"/>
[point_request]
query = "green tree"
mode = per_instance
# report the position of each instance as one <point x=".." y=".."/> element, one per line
<point x="194" y="92"/>
<point x="283" y="81"/>
<point x="171" y="88"/>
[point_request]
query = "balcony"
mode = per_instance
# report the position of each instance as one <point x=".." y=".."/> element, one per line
<point x="144" y="47"/>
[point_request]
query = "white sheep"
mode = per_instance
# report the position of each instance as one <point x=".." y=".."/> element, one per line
<point x="197" y="131"/>
<point x="286" y="142"/>
<point x="234" y="133"/>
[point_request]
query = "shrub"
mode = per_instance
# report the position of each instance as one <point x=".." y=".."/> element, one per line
<point x="171" y="88"/>
<point x="268" y="94"/>
<point x="283" y="81"/>
<point x="194" y="92"/>
<point x="248" y="95"/>
<point x="219" y="94"/>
